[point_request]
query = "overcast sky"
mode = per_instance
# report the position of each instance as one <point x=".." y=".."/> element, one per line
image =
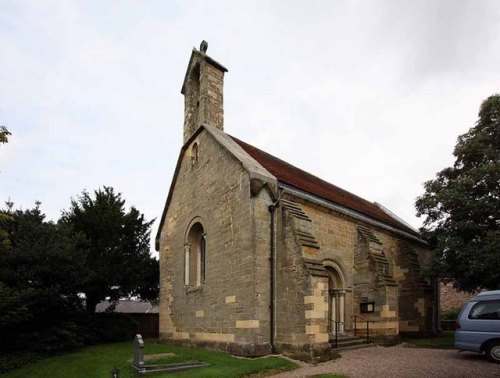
<point x="368" y="95"/>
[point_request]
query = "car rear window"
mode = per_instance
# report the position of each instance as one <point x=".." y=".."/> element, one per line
<point x="485" y="310"/>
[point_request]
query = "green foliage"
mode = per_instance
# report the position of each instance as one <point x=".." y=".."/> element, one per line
<point x="38" y="282"/>
<point x="96" y="248"/>
<point x="98" y="361"/>
<point x="117" y="262"/>
<point x="450" y="314"/>
<point x="462" y="207"/>
<point x="4" y="134"/>
<point x="110" y="327"/>
<point x="10" y="361"/>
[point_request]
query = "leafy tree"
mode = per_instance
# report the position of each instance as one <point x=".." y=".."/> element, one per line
<point x="462" y="206"/>
<point x="4" y="134"/>
<point x="44" y="269"/>
<point x="39" y="275"/>
<point x="117" y="260"/>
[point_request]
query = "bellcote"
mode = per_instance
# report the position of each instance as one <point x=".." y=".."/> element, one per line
<point x="203" y="92"/>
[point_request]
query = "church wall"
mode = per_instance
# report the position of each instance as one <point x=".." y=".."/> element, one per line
<point x="292" y="285"/>
<point x="404" y="303"/>
<point x="336" y="236"/>
<point x="417" y="299"/>
<point x="229" y="310"/>
<point x="301" y="299"/>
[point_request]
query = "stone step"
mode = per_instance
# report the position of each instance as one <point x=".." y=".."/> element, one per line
<point x="347" y="341"/>
<point x="346" y="337"/>
<point x="349" y="338"/>
<point x="359" y="346"/>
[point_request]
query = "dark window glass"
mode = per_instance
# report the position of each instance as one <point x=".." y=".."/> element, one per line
<point x="203" y="258"/>
<point x="486" y="310"/>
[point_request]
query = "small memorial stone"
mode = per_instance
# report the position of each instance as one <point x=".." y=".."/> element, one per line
<point x="138" y="352"/>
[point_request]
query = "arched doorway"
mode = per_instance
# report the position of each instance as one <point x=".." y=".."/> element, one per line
<point x="336" y="301"/>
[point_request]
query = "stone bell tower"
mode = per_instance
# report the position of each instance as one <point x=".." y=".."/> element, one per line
<point x="202" y="90"/>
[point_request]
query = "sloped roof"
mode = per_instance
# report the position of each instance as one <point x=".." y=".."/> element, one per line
<point x="128" y="307"/>
<point x="293" y="176"/>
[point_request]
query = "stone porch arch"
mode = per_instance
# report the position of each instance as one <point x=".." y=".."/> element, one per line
<point x="337" y="289"/>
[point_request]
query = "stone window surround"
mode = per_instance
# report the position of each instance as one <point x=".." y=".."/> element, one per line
<point x="195" y="149"/>
<point x="201" y="257"/>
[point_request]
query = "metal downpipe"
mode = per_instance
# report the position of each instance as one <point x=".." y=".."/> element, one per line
<point x="272" y="262"/>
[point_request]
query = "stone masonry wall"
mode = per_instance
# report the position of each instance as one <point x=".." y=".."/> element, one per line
<point x="293" y="284"/>
<point x="451" y="298"/>
<point x="302" y="299"/>
<point x="338" y="238"/>
<point x="230" y="310"/>
<point x="211" y="96"/>
<point x="203" y="96"/>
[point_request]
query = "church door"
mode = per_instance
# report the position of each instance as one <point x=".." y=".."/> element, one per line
<point x="336" y="305"/>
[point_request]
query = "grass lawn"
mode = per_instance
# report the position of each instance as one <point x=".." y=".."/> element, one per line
<point x="444" y="341"/>
<point x="98" y="361"/>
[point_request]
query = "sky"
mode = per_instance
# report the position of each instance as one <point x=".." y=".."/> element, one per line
<point x="368" y="95"/>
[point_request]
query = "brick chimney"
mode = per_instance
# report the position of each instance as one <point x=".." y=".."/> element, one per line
<point x="202" y="90"/>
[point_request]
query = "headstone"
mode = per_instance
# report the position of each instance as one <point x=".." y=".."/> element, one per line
<point x="138" y="361"/>
<point x="138" y="352"/>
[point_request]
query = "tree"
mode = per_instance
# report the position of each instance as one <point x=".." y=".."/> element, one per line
<point x="462" y="206"/>
<point x="117" y="260"/>
<point x="4" y="134"/>
<point x="39" y="276"/>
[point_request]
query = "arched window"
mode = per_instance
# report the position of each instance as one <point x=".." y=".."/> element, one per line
<point x="195" y="256"/>
<point x="194" y="153"/>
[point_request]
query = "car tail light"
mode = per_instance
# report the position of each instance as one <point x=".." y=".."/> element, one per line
<point x="456" y="326"/>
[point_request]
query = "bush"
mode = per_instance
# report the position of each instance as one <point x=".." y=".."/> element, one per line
<point x="60" y="336"/>
<point x="26" y="345"/>
<point x="450" y="314"/>
<point x="112" y="327"/>
<point x="55" y="339"/>
<point x="9" y="361"/>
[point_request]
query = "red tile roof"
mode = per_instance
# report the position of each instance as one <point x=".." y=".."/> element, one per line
<point x="288" y="174"/>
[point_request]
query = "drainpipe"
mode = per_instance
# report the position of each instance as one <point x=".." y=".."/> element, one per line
<point x="272" y="259"/>
<point x="437" y="305"/>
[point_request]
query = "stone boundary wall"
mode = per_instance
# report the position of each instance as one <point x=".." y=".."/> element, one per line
<point x="451" y="298"/>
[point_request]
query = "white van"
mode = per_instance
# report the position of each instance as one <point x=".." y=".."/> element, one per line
<point x="478" y="325"/>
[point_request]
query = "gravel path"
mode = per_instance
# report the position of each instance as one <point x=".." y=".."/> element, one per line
<point x="404" y="362"/>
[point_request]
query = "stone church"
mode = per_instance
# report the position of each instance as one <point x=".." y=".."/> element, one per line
<point x="258" y="256"/>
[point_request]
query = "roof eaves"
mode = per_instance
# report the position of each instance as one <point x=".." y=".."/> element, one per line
<point x="347" y="211"/>
<point x="395" y="217"/>
<point x="255" y="170"/>
<point x="170" y="191"/>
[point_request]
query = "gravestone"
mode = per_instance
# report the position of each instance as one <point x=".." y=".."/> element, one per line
<point x="138" y="352"/>
<point x="138" y="361"/>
